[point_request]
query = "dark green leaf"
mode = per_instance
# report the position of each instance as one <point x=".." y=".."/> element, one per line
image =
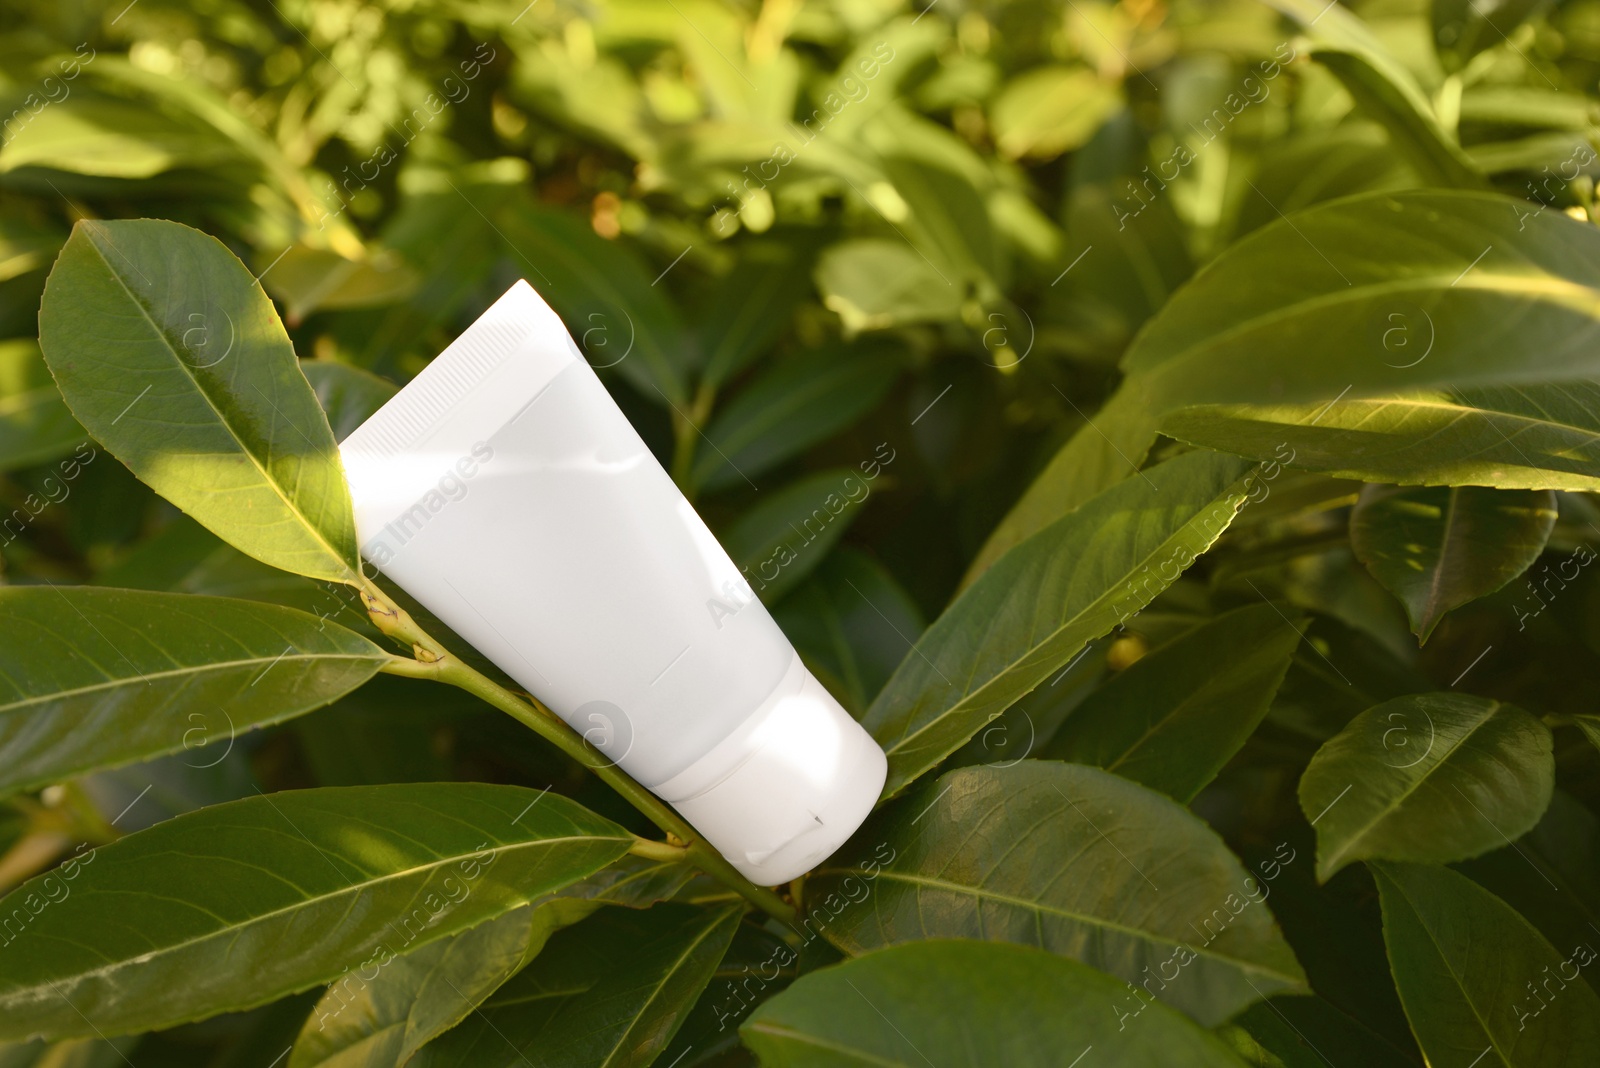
<point x="608" y="993"/>
<point x="798" y="403"/>
<point x="347" y="394"/>
<point x="1308" y="1032"/>
<point x="91" y="677"/>
<point x="753" y="306"/>
<point x="1034" y="610"/>
<point x="275" y="894"/>
<point x="786" y="535"/>
<point x="853" y="623"/>
<point x="1438" y="548"/>
<point x="1070" y="859"/>
<point x="1427" y="777"/>
<point x="1172" y="720"/>
<point x="1478" y="982"/>
<point x="971" y="1005"/>
<point x="618" y="316"/>
<point x="367" y="1021"/>
<point x="166" y="349"/>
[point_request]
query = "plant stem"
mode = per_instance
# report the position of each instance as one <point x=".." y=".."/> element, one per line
<point x="435" y="662"/>
<point x="685" y="431"/>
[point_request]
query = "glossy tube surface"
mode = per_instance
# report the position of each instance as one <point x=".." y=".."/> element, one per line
<point x="505" y="490"/>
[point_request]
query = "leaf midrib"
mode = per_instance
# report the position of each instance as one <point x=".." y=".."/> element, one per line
<point x="1185" y="358"/>
<point x="308" y="902"/>
<point x="1390" y="808"/>
<point x="1094" y="921"/>
<point x="622" y="1042"/>
<point x="294" y="509"/>
<point x="972" y="696"/>
<point x="222" y="665"/>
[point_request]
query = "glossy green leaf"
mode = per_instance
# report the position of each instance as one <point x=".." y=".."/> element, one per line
<point x="1073" y="860"/>
<point x="1427" y="777"/>
<point x="1050" y="110"/>
<point x="1479" y="984"/>
<point x="971" y="1005"/>
<point x="377" y="1021"/>
<point x="1034" y="610"/>
<point x="783" y="538"/>
<point x="1438" y="548"/>
<point x="1511" y="437"/>
<point x="35" y="425"/>
<point x="853" y="623"/>
<point x="574" y="1005"/>
<point x="167" y="351"/>
<point x="1173" y="719"/>
<point x="97" y="677"/>
<point x="279" y="893"/>
<point x="1463" y="270"/>
<point x="796" y="404"/>
<point x="1320" y="165"/>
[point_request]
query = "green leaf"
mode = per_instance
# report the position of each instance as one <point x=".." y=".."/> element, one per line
<point x="1469" y="266"/>
<point x="1590" y="726"/>
<point x="111" y="138"/>
<point x="1511" y="437"/>
<point x="309" y="279"/>
<point x="1477" y="981"/>
<point x="618" y="315"/>
<point x="786" y="535"/>
<point x="1073" y="860"/>
<point x="853" y="623"/>
<point x="382" y="1020"/>
<point x="1108" y="448"/>
<point x="1462" y="29"/>
<point x="971" y="1005"/>
<point x="608" y="993"/>
<point x="1173" y="719"/>
<point x="1050" y="110"/>
<point x="1308" y="1032"/>
<point x="874" y="283"/>
<point x="1045" y="600"/>
<point x="1439" y="548"/>
<point x="1385" y="90"/>
<point x="804" y="400"/>
<point x="754" y="304"/>
<point x="275" y="894"/>
<point x="93" y="677"/>
<point x="35" y="425"/>
<point x="349" y="395"/>
<point x="1427" y="777"/>
<point x="1551" y="875"/>
<point x="167" y="351"/>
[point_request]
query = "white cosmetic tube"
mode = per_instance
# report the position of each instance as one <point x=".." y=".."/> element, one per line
<point x="505" y="490"/>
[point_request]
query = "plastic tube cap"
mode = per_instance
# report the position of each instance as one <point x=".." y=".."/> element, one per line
<point x="787" y="788"/>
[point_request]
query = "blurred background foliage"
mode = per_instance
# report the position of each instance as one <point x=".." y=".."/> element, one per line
<point x="796" y="236"/>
